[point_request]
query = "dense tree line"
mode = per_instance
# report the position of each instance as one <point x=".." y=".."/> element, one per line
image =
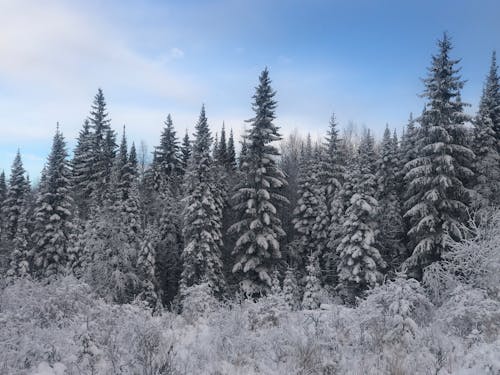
<point x="328" y="217"/>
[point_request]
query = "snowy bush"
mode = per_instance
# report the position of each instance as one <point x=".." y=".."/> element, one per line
<point x="198" y="301"/>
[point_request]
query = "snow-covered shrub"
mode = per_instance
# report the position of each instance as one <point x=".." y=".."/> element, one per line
<point x="474" y="262"/>
<point x="198" y="301"/>
<point x="470" y="312"/>
<point x="401" y="306"/>
<point x="482" y="358"/>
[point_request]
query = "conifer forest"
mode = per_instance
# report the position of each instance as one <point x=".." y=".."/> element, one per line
<point x="267" y="253"/>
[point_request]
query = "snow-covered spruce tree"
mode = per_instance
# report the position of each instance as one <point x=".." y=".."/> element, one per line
<point x="360" y="262"/>
<point x="308" y="196"/>
<point x="391" y="229"/>
<point x="311" y="218"/>
<point x="312" y="289"/>
<point x="4" y="253"/>
<point x="290" y="290"/>
<point x="53" y="213"/>
<point x="168" y="247"/>
<point x="215" y="148"/>
<point x="259" y="230"/>
<point x="201" y="256"/>
<point x="331" y="178"/>
<point x="222" y="147"/>
<point x="103" y="147"/>
<point x="112" y="239"/>
<point x="185" y="152"/>
<point x="167" y="164"/>
<point x="146" y="269"/>
<point x="81" y="170"/>
<point x="231" y="153"/>
<point x="243" y="153"/>
<point x="486" y="144"/>
<point x="16" y="197"/>
<point x="437" y="179"/>
<point x="21" y="256"/>
<point x="3" y="197"/>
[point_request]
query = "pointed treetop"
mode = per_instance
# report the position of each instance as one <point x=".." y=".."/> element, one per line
<point x="203" y="138"/>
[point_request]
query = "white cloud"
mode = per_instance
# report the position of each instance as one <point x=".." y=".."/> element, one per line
<point x="61" y="47"/>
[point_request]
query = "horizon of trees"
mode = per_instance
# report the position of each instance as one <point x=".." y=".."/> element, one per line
<point x="333" y="217"/>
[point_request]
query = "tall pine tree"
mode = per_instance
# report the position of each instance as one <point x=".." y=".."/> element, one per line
<point x="360" y="262"/>
<point x="486" y="143"/>
<point x="437" y="179"/>
<point x="53" y="213"/>
<point x="201" y="256"/>
<point x="257" y="249"/>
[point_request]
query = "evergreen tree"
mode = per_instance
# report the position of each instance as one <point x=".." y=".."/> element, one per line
<point x="201" y="256"/>
<point x="167" y="163"/>
<point x="53" y="213"/>
<point x="312" y="290"/>
<point x="311" y="220"/>
<point x="3" y="197"/>
<point x="331" y="179"/>
<point x="231" y="153"/>
<point x="168" y="247"/>
<point x="486" y="144"/>
<point x="81" y="171"/>
<point x="185" y="150"/>
<point x="243" y="153"/>
<point x="16" y="197"/>
<point x="103" y="147"/>
<point x="438" y="177"/>
<point x="146" y="264"/>
<point x="21" y="257"/>
<point x="360" y="262"/>
<point x="222" y="155"/>
<point x="258" y="249"/>
<point x="132" y="159"/>
<point x="391" y="230"/>
<point x="291" y="289"/>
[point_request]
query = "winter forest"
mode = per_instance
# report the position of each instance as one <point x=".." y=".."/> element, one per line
<point x="271" y="254"/>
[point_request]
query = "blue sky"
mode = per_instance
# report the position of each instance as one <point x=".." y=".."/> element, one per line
<point x="361" y="59"/>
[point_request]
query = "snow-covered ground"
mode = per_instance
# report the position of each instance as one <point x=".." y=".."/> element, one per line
<point x="62" y="328"/>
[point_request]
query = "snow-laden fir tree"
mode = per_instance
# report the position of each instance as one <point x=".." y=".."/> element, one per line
<point x="146" y="269"/>
<point x="492" y="98"/>
<point x="201" y="256"/>
<point x="185" y="152"/>
<point x="215" y="148"/>
<point x="391" y="229"/>
<point x="168" y="245"/>
<point x="167" y="163"/>
<point x="103" y="147"/>
<point x="437" y="179"/>
<point x="332" y="173"/>
<point x="243" y="153"/>
<point x="16" y="197"/>
<point x="3" y="197"/>
<point x="81" y="170"/>
<point x="259" y="230"/>
<point x="312" y="289"/>
<point x="21" y="256"/>
<point x="486" y="144"/>
<point x="311" y="218"/>
<point x="53" y="213"/>
<point x="231" y="153"/>
<point x="333" y="162"/>
<point x="222" y="147"/>
<point x="360" y="263"/>
<point x="290" y="290"/>
<point x="112" y="239"/>
<point x="4" y="253"/>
